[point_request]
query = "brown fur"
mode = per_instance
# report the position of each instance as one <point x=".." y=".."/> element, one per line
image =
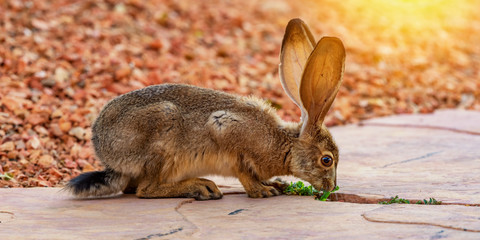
<point x="165" y="136"/>
<point x="158" y="141"/>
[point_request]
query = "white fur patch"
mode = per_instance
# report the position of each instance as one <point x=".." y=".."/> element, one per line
<point x="220" y="121"/>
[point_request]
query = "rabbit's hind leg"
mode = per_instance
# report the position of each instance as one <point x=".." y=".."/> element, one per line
<point x="131" y="187"/>
<point x="198" y="188"/>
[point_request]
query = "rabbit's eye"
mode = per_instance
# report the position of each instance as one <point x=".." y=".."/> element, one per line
<point x="326" y="161"/>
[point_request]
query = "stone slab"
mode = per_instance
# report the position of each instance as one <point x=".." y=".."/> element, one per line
<point x="447" y="119"/>
<point x="414" y="163"/>
<point x="46" y="213"/>
<point x="43" y="213"/>
<point x="296" y="217"/>
<point x="378" y="160"/>
<point x="461" y="218"/>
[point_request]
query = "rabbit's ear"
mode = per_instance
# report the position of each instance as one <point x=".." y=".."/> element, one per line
<point x="321" y="80"/>
<point x="297" y="45"/>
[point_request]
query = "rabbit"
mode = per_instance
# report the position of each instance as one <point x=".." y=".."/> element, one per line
<point x="158" y="141"/>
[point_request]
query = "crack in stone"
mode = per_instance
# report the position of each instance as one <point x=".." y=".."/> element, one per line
<point x="420" y="223"/>
<point x="183" y="203"/>
<point x="355" y="198"/>
<point x="350" y="198"/>
<point x="173" y="231"/>
<point x="421" y="126"/>
<point x="237" y="211"/>
<point x="6" y="217"/>
<point x="183" y="216"/>
<point x="412" y="159"/>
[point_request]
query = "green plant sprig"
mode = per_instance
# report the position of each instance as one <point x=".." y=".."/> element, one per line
<point x="397" y="200"/>
<point x="432" y="201"/>
<point x="6" y="176"/>
<point x="300" y="189"/>
<point x="326" y="194"/>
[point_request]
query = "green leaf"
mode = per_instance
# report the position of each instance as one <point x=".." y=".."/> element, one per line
<point x="299" y="188"/>
<point x="396" y="199"/>
<point x="326" y="194"/>
<point x="6" y="176"/>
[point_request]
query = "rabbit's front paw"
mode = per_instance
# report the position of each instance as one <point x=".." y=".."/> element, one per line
<point x="278" y="184"/>
<point x="263" y="192"/>
<point x="204" y="189"/>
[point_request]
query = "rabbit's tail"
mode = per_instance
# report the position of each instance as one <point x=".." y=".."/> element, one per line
<point x="97" y="183"/>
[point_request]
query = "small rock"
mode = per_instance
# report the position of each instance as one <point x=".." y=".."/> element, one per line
<point x="34" y="154"/>
<point x="61" y="75"/>
<point x="75" y="150"/>
<point x="24" y="162"/>
<point x="46" y="161"/>
<point x="88" y="134"/>
<point x="40" y="24"/>
<point x="77" y="132"/>
<point x="41" y="130"/>
<point x="85" y="153"/>
<point x="69" y="91"/>
<point x="118" y="88"/>
<point x="156" y="44"/>
<point x="20" y="144"/>
<point x="12" y="155"/>
<point x="120" y="8"/>
<point x="65" y="126"/>
<point x="57" y="113"/>
<point x="55" y="172"/>
<point x="77" y="117"/>
<point x="21" y="113"/>
<point x="8" y="146"/>
<point x="55" y="129"/>
<point x="70" y="164"/>
<point x="34" y="142"/>
<point x="40" y="74"/>
<point x="36" y="119"/>
<point x="48" y="82"/>
<point x="44" y="184"/>
<point x="122" y="72"/>
<point x="11" y="103"/>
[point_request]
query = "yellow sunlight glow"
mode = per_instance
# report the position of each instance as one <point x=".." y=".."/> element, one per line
<point x="415" y="15"/>
<point x="408" y="28"/>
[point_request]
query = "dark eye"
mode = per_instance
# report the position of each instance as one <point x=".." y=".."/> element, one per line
<point x="327" y="161"/>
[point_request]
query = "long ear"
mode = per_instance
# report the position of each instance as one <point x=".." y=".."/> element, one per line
<point x="321" y="80"/>
<point x="297" y="45"/>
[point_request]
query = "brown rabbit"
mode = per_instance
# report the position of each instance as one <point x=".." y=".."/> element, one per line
<point x="158" y="141"/>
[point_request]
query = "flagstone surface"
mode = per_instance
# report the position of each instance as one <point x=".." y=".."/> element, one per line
<point x="413" y="156"/>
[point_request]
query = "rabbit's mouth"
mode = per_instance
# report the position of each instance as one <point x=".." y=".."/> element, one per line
<point x="326" y="185"/>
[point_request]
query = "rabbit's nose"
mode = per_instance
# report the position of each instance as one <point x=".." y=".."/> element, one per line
<point x="328" y="184"/>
